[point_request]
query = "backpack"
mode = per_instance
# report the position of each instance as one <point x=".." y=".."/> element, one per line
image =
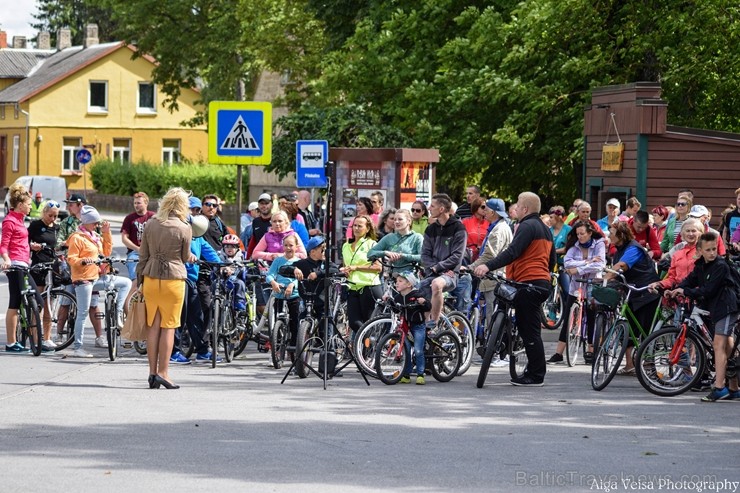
<point x="735" y="277"/>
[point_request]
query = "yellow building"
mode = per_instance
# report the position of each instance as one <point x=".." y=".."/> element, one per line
<point x="95" y="97"/>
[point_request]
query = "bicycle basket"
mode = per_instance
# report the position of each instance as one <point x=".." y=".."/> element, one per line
<point x="506" y="292"/>
<point x="61" y="275"/>
<point x="606" y="296"/>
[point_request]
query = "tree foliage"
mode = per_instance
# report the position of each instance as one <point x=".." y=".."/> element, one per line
<point x="74" y="14"/>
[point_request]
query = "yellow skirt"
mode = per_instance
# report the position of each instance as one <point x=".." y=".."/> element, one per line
<point x="167" y="296"/>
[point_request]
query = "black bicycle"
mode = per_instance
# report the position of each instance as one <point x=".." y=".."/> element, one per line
<point x="29" y="326"/>
<point x="503" y="336"/>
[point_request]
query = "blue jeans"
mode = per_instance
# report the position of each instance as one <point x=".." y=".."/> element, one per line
<point x="132" y="266"/>
<point x="419" y="333"/>
<point x="83" y="292"/>
<point x="463" y="292"/>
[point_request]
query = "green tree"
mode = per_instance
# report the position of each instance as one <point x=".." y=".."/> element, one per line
<point x="74" y="14"/>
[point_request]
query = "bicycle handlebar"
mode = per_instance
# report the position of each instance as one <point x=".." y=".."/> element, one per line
<point x="624" y="282"/>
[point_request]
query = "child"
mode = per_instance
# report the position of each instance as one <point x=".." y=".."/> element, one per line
<point x="710" y="284"/>
<point x="407" y="294"/>
<point x="311" y="271"/>
<point x="229" y="253"/>
<point x="286" y="289"/>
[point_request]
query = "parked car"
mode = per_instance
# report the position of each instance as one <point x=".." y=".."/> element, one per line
<point x="51" y="187"/>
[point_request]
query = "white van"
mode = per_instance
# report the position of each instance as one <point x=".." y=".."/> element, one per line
<point x="51" y="187"/>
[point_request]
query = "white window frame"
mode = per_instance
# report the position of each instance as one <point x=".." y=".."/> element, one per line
<point x="122" y="154"/>
<point x="97" y="109"/>
<point x="16" y="152"/>
<point x="143" y="109"/>
<point x="69" y="163"/>
<point x="170" y="154"/>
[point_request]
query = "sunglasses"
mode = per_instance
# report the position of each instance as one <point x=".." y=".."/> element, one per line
<point x="210" y="204"/>
<point x="681" y="204"/>
<point x="54" y="205"/>
<point x="482" y="207"/>
<point x="416" y="210"/>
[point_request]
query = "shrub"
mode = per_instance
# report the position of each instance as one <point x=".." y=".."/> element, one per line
<point x="114" y="178"/>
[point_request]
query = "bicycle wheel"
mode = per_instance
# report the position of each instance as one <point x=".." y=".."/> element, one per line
<point x="390" y="359"/>
<point x="610" y="355"/>
<point x="63" y="312"/>
<point x="33" y="324"/>
<point x="243" y="334"/>
<point x="552" y="309"/>
<point x="366" y="340"/>
<point x="305" y="333"/>
<point x="474" y="322"/>
<point x="278" y="341"/>
<point x="668" y="364"/>
<point x="20" y="333"/>
<point x="214" y="328"/>
<point x="140" y="347"/>
<point x="228" y="331"/>
<point x="111" y="330"/>
<point x="446" y="355"/>
<point x="459" y="323"/>
<point x="496" y="326"/>
<point x="518" y="360"/>
<point x="600" y="324"/>
<point x="574" y="333"/>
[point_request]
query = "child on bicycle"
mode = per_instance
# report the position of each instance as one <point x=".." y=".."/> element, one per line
<point x="711" y="285"/>
<point x="284" y="288"/>
<point x="230" y="252"/>
<point x="311" y="271"/>
<point x="414" y="314"/>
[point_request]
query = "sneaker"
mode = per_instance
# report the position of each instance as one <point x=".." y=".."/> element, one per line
<point x="179" y="359"/>
<point x="405" y="379"/>
<point x="734" y="395"/>
<point x="702" y="385"/>
<point x="101" y="342"/>
<point x="16" y="348"/>
<point x="555" y="358"/>
<point x="48" y="345"/>
<point x="499" y="363"/>
<point x="119" y="320"/>
<point x="81" y="353"/>
<point x="716" y="395"/>
<point x="420" y="380"/>
<point x="526" y="381"/>
<point x="207" y="357"/>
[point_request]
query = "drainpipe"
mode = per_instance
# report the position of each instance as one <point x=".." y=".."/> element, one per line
<point x="28" y="135"/>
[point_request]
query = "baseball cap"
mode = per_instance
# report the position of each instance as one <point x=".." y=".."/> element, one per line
<point x="264" y="197"/>
<point x="194" y="202"/>
<point x="409" y="276"/>
<point x="39" y="195"/>
<point x="314" y="242"/>
<point x="613" y="202"/>
<point x="698" y="211"/>
<point x="252" y="206"/>
<point x="497" y="206"/>
<point x="76" y="198"/>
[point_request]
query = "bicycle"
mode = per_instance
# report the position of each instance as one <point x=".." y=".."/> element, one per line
<point x="672" y="360"/>
<point x="442" y="351"/>
<point x="112" y="331"/>
<point x="577" y="323"/>
<point x="554" y="306"/>
<point x="503" y="334"/>
<point x="280" y="335"/>
<point x="254" y="325"/>
<point x="221" y="316"/>
<point x="613" y="346"/>
<point x="29" y="326"/>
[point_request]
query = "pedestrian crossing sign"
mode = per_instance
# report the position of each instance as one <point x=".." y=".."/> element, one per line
<point x="239" y="132"/>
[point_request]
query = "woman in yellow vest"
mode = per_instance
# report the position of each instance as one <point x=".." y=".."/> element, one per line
<point x="364" y="282"/>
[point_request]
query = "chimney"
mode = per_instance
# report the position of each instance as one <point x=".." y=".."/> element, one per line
<point x="19" y="42"/>
<point x="91" y="35"/>
<point x="43" y="40"/>
<point x="64" y="38"/>
<point x="3" y="40"/>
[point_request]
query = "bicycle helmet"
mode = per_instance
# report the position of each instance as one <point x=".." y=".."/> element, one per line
<point x="230" y="240"/>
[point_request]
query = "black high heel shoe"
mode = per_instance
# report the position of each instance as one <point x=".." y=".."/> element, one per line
<point x="161" y="381"/>
<point x="153" y="384"/>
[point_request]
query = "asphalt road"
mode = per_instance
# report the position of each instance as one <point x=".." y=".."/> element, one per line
<point x="93" y="425"/>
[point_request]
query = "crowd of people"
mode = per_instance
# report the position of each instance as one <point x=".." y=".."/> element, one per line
<point x="433" y="247"/>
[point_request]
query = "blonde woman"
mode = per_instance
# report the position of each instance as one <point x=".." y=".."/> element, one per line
<point x="165" y="248"/>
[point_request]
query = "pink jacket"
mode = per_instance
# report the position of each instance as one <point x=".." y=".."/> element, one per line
<point x="682" y="263"/>
<point x="271" y="246"/>
<point x="14" y="242"/>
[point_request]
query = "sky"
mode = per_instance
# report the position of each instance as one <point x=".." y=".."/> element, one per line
<point x="16" y="20"/>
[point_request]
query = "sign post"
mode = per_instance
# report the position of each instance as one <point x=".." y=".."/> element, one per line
<point x="83" y="156"/>
<point x="310" y="157"/>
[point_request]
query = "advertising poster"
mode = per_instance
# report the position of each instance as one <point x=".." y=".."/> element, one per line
<point x="416" y="183"/>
